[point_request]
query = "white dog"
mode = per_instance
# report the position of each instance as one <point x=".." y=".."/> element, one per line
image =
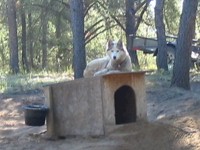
<point x="117" y="60"/>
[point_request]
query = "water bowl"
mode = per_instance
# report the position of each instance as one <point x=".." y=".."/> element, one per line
<point x="35" y="114"/>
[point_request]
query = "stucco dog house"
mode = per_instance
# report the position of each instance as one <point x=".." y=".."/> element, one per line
<point x="87" y="106"/>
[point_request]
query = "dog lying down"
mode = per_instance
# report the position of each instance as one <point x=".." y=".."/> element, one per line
<point x="117" y="60"/>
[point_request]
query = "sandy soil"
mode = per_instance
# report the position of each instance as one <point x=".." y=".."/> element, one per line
<point x="173" y="123"/>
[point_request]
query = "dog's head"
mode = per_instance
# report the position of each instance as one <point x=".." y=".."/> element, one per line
<point x="116" y="50"/>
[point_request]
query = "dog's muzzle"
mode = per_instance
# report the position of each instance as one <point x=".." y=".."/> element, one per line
<point x="114" y="57"/>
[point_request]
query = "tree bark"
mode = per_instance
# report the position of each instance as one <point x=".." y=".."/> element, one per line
<point x="44" y="23"/>
<point x="13" y="39"/>
<point x="130" y="30"/>
<point x="58" y="25"/>
<point x="58" y="38"/>
<point x="77" y="20"/>
<point x="162" y="44"/>
<point x="181" y="69"/>
<point x="3" y="57"/>
<point x="24" y="50"/>
<point x="30" y="41"/>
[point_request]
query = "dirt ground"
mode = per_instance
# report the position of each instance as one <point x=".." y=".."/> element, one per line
<point x="173" y="123"/>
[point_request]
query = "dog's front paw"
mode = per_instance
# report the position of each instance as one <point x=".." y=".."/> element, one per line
<point x="101" y="72"/>
<point x="113" y="71"/>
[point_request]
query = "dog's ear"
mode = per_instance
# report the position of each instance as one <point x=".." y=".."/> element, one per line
<point x="110" y="44"/>
<point x="120" y="44"/>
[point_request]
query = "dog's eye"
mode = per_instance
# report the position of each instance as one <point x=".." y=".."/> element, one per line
<point x="112" y="51"/>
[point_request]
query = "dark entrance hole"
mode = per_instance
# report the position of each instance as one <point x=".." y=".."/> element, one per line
<point x="125" y="105"/>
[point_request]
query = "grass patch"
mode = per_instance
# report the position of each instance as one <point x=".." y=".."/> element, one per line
<point x="32" y="81"/>
<point x="146" y="61"/>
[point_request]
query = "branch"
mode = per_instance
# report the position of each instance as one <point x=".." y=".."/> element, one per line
<point x="88" y="8"/>
<point x="142" y="4"/>
<point x="118" y="22"/>
<point x="51" y="10"/>
<point x="112" y="16"/>
<point x="87" y="37"/>
<point x="91" y="27"/>
<point x="94" y="36"/>
<point x="141" y="15"/>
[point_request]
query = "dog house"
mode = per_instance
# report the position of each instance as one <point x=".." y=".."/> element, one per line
<point x="87" y="106"/>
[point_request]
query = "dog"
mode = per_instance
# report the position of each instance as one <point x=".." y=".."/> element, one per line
<point x="117" y="60"/>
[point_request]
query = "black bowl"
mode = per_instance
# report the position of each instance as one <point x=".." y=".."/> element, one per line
<point x="35" y="114"/>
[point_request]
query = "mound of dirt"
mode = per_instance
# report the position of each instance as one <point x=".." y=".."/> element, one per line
<point x="142" y="136"/>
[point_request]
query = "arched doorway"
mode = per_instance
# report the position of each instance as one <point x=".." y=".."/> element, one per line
<point x="125" y="105"/>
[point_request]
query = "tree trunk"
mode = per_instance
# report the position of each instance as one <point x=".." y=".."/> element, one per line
<point x="44" y="23"/>
<point x="3" y="57"/>
<point x="130" y="30"/>
<point x="180" y="76"/>
<point x="160" y="27"/>
<point x="58" y="25"/>
<point x="58" y="38"/>
<point x="77" y="20"/>
<point x="24" y="54"/>
<point x="30" y="41"/>
<point x="13" y="39"/>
